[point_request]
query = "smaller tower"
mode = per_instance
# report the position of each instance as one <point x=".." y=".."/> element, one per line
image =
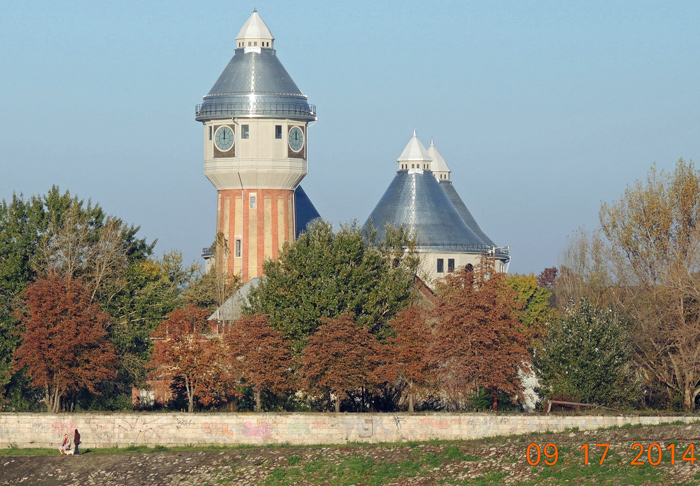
<point x="417" y="199"/>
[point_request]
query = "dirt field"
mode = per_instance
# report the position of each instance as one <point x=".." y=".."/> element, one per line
<point x="483" y="462"/>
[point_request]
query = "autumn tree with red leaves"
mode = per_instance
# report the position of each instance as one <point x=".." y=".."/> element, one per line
<point x="64" y="345"/>
<point x="259" y="356"/>
<point x="341" y="357"/>
<point x="476" y="341"/>
<point x="406" y="351"/>
<point x="183" y="352"/>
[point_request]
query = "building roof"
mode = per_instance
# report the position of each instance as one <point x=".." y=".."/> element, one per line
<point x="254" y="28"/>
<point x="414" y="151"/>
<point x="464" y="211"/>
<point x="232" y="309"/>
<point x="415" y="199"/>
<point x="438" y="164"/>
<point x="304" y="211"/>
<point x="255" y="84"/>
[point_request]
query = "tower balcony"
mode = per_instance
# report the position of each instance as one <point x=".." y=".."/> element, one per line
<point x="255" y="109"/>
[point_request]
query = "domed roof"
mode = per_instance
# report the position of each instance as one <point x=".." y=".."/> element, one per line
<point x="415" y="199"/>
<point x="255" y="83"/>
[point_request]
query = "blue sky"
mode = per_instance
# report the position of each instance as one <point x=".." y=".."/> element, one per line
<point x="541" y="109"/>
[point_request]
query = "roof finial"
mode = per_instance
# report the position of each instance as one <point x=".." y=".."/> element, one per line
<point x="255" y="9"/>
<point x="432" y="142"/>
<point x="414" y="132"/>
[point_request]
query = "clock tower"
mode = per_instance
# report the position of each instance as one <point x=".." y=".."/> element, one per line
<point x="255" y="153"/>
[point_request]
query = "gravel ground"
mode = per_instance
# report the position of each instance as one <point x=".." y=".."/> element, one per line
<point x="499" y="460"/>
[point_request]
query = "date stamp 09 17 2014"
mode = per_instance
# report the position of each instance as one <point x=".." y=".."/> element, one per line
<point x="549" y="454"/>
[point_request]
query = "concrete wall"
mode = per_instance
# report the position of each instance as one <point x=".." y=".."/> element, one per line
<point x="170" y="429"/>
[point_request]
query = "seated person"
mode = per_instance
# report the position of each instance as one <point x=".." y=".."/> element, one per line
<point x="65" y="445"/>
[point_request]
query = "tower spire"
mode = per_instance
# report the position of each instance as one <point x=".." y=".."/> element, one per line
<point x="414" y="156"/>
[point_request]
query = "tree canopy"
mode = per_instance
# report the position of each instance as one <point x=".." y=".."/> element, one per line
<point x="586" y="357"/>
<point x="325" y="274"/>
<point x="341" y="358"/>
<point x="183" y="352"/>
<point x="259" y="356"/>
<point x="64" y="345"/>
<point x="477" y="341"/>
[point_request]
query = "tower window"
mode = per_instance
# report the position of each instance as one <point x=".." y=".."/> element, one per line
<point x="440" y="265"/>
<point x="211" y="132"/>
<point x="278" y="132"/>
<point x="451" y="265"/>
<point x="245" y="131"/>
<point x="237" y="248"/>
<point x="248" y="43"/>
<point x="253" y="202"/>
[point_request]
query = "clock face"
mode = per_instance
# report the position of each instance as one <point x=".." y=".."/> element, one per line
<point x="296" y="139"/>
<point x="224" y="139"/>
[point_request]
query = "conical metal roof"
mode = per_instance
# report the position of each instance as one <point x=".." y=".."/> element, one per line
<point x="414" y="151"/>
<point x="255" y="84"/>
<point x="255" y="28"/>
<point x="415" y="199"/>
<point x="304" y="210"/>
<point x="464" y="211"/>
<point x="438" y="163"/>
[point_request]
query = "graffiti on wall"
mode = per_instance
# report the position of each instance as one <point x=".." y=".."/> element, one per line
<point x="141" y="428"/>
<point x="261" y="429"/>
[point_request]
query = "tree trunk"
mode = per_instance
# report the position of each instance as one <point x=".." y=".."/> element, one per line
<point x="410" y="397"/>
<point x="495" y="400"/>
<point x="258" y="407"/>
<point x="688" y="398"/>
<point x="337" y="404"/>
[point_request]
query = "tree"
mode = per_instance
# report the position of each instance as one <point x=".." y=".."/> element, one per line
<point x="477" y="341"/>
<point x="151" y="290"/>
<point x="182" y="351"/>
<point x="325" y="274"/>
<point x="18" y="223"/>
<point x="60" y="235"/>
<point x="340" y="358"/>
<point x="533" y="310"/>
<point x="406" y="351"/>
<point x="259" y="356"/>
<point x="64" y="345"/>
<point x="209" y="290"/>
<point x="586" y="357"/>
<point x="653" y="251"/>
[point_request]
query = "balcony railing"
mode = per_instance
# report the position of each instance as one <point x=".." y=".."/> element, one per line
<point x="259" y="108"/>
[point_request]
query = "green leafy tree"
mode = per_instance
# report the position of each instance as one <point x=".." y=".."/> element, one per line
<point x="19" y="223"/>
<point x="58" y="234"/>
<point x="586" y="357"/>
<point x="151" y="291"/>
<point x="325" y="274"/>
<point x="534" y="311"/>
